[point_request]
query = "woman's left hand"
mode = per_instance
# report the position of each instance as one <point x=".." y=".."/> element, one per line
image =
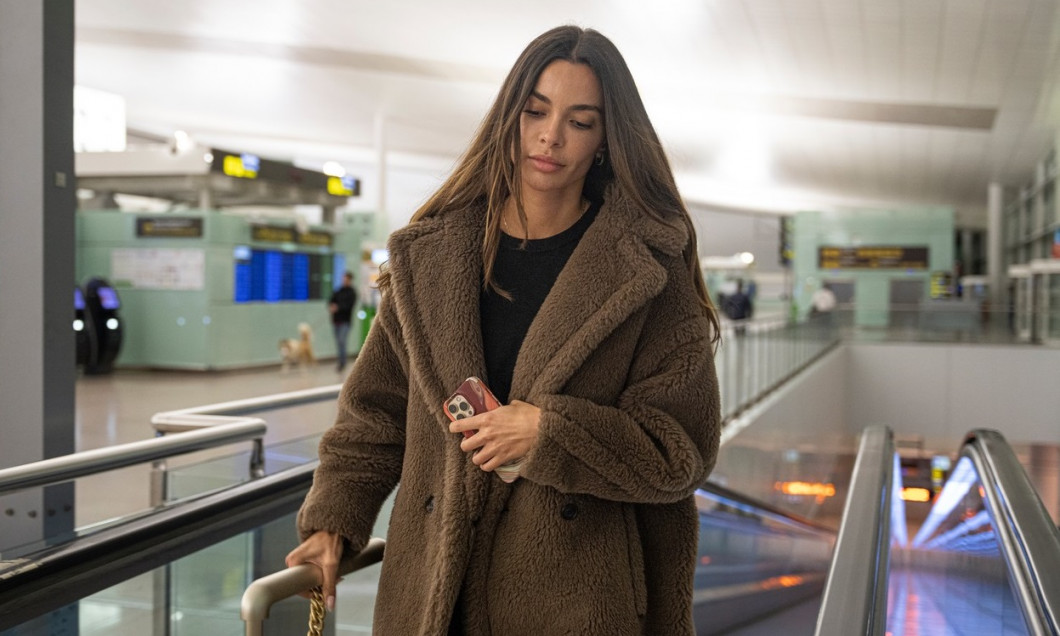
<point x="505" y="434"/>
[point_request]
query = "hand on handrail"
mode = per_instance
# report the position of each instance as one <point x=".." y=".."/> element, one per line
<point x="300" y="579"/>
<point x="324" y="550"/>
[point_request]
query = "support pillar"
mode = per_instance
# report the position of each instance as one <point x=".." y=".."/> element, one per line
<point x="382" y="219"/>
<point x="996" y="268"/>
<point x="37" y="205"/>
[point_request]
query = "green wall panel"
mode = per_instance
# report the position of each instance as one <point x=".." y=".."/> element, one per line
<point x="929" y="227"/>
<point x="204" y="328"/>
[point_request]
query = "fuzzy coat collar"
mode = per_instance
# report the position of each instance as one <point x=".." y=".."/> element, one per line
<point x="436" y="267"/>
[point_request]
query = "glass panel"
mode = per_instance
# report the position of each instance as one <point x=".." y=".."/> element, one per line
<point x="231" y="470"/>
<point x="751" y="563"/>
<point x="201" y="593"/>
<point x="207" y="586"/>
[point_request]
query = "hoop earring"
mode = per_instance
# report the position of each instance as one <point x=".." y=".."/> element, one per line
<point x="600" y="158"/>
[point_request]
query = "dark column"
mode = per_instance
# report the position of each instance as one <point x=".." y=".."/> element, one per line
<point x="37" y="203"/>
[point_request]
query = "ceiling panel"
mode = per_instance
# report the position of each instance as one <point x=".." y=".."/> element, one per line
<point x="853" y="101"/>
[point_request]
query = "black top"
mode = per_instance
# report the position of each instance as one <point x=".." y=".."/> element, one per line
<point x="528" y="274"/>
<point x="344" y="298"/>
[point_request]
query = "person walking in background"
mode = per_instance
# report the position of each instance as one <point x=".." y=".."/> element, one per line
<point x="341" y="305"/>
<point x="739" y="307"/>
<point x="823" y="302"/>
<point x="558" y="264"/>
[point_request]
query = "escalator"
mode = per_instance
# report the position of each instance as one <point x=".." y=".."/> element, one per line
<point x="984" y="561"/>
<point x="183" y="568"/>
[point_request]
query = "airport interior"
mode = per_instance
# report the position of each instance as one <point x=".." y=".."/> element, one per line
<point x="878" y="178"/>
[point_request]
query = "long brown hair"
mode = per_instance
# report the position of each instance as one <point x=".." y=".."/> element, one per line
<point x="634" y="159"/>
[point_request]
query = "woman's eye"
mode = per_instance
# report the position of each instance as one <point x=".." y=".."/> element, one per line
<point x="530" y="112"/>
<point x="581" y="124"/>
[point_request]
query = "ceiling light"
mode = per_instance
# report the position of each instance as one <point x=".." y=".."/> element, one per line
<point x="334" y="169"/>
<point x="182" y="141"/>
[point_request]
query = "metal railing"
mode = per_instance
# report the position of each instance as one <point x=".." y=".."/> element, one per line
<point x="215" y="416"/>
<point x="263" y="593"/>
<point x="200" y="428"/>
<point x="855" y="597"/>
<point x="91" y="462"/>
<point x="1027" y="536"/>
<point x="225" y="414"/>
<point x="58" y="575"/>
<point x="758" y="356"/>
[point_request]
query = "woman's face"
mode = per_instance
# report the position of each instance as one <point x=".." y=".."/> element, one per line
<point x="562" y="129"/>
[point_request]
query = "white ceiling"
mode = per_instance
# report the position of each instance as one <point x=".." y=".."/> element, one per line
<point x="770" y="105"/>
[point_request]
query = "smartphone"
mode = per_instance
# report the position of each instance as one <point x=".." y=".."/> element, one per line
<point x="470" y="398"/>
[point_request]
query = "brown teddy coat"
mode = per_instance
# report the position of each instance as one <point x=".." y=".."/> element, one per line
<point x="599" y="535"/>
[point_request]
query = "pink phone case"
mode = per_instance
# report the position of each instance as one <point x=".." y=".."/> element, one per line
<point x="471" y="398"/>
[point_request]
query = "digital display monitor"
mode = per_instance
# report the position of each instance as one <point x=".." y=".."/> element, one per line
<point x="108" y="298"/>
<point x="79" y="299"/>
<point x="273" y="276"/>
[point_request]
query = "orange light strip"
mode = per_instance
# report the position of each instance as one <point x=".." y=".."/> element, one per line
<point x="916" y="494"/>
<point x="804" y="488"/>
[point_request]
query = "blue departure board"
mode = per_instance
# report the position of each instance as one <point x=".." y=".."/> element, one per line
<point x="272" y="276"/>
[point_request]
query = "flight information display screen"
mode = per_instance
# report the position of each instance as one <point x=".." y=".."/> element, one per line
<point x="274" y="276"/>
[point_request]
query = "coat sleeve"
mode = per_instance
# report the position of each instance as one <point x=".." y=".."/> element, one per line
<point x="659" y="441"/>
<point x="361" y="455"/>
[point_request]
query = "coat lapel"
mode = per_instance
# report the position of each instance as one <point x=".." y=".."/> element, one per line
<point x="611" y="274"/>
<point x="437" y="273"/>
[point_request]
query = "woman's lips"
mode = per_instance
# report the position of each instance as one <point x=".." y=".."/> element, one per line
<point x="545" y="164"/>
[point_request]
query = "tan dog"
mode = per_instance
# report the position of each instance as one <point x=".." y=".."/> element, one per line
<point x="298" y="351"/>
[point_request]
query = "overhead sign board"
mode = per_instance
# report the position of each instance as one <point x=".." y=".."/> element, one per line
<point x="872" y="257"/>
<point x="279" y="234"/>
<point x="168" y="227"/>
<point x="250" y="166"/>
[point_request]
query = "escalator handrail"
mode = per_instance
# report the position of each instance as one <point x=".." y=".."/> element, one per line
<point x="201" y="427"/>
<point x="59" y="575"/>
<point x="765" y="510"/>
<point x="1029" y="540"/>
<point x="255" y="405"/>
<point x="855" y="597"/>
<point x="91" y="462"/>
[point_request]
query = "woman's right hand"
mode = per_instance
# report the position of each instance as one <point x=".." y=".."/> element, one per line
<point x="324" y="550"/>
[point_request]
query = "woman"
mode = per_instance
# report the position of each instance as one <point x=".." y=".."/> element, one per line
<point x="558" y="264"/>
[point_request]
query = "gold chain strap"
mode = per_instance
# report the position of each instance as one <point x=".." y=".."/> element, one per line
<point x="317" y="611"/>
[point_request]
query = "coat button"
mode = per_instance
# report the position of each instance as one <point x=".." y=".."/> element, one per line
<point x="569" y="511"/>
<point x="429" y="506"/>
